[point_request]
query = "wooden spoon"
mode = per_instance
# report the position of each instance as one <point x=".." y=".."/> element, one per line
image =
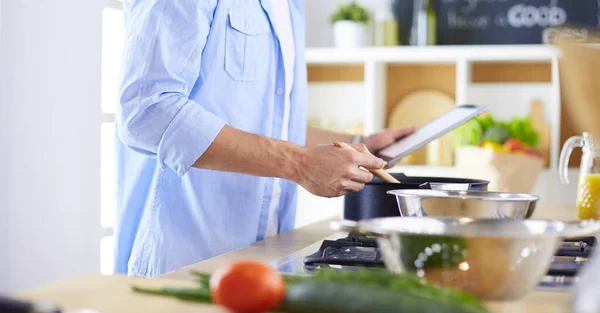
<point x="385" y="176"/>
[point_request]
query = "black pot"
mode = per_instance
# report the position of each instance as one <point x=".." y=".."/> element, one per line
<point x="373" y="200"/>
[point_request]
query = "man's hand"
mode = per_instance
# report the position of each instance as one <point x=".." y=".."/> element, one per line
<point x="329" y="171"/>
<point x="385" y="138"/>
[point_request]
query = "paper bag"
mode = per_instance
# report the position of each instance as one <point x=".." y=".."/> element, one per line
<point x="507" y="172"/>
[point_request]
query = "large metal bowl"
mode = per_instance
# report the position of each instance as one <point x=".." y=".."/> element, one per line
<point x="480" y="204"/>
<point x="494" y="259"/>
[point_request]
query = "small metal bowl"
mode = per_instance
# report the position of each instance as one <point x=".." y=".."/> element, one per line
<point x="480" y="204"/>
<point x="494" y="259"/>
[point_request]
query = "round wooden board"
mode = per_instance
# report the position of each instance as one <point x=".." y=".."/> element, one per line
<point x="417" y="109"/>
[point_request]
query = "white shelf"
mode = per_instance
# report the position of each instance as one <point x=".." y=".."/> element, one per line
<point x="433" y="54"/>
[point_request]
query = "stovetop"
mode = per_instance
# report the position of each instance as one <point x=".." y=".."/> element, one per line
<point x="352" y="252"/>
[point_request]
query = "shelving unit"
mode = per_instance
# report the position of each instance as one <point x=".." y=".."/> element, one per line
<point x="469" y="66"/>
<point x="366" y="84"/>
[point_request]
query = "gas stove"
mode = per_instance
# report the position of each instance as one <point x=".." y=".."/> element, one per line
<point x="352" y="252"/>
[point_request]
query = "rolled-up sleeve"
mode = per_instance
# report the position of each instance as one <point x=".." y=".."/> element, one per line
<point x="161" y="63"/>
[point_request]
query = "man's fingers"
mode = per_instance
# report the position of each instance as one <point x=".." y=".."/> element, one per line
<point x="353" y="186"/>
<point x="401" y="132"/>
<point x="360" y="147"/>
<point x="361" y="176"/>
<point x="370" y="161"/>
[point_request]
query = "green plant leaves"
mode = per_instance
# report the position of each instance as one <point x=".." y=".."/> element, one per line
<point x="351" y="12"/>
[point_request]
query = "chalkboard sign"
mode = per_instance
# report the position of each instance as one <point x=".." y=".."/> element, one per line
<point x="461" y="22"/>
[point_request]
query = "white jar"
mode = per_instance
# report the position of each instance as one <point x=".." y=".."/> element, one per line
<point x="348" y="34"/>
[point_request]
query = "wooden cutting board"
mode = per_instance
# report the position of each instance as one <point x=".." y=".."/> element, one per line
<point x="417" y="109"/>
<point x="539" y="124"/>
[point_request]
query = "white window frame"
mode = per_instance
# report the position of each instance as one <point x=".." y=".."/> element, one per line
<point x="107" y="118"/>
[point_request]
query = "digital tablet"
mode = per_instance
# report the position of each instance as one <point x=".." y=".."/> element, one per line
<point x="430" y="131"/>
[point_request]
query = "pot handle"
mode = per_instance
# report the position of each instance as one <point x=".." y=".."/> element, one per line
<point x="352" y="227"/>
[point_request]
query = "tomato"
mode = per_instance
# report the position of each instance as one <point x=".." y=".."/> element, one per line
<point x="513" y="145"/>
<point x="247" y="287"/>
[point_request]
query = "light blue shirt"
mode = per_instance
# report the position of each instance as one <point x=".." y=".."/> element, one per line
<point x="189" y="68"/>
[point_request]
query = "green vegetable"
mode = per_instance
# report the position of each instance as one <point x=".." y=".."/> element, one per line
<point x="486" y="121"/>
<point x="202" y="278"/>
<point x="497" y="134"/>
<point x="336" y="297"/>
<point x="402" y="283"/>
<point x="351" y="12"/>
<point x="485" y="128"/>
<point x="443" y="251"/>
<point x="362" y="290"/>
<point x="468" y="134"/>
<point x="187" y="294"/>
<point x="521" y="129"/>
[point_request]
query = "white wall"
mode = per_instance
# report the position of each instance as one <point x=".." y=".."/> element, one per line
<point x="318" y="28"/>
<point x="49" y="140"/>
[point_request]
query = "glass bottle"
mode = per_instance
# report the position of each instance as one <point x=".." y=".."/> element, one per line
<point x="423" y="31"/>
<point x="588" y="190"/>
<point x="386" y="27"/>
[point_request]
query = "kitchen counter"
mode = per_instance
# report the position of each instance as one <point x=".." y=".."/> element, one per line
<point x="113" y="293"/>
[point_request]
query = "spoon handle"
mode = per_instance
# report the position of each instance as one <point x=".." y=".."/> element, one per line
<point x="383" y="175"/>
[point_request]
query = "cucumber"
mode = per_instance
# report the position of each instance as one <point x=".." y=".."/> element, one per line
<point x="328" y="297"/>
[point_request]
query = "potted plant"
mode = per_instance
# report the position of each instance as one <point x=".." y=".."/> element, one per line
<point x="351" y="26"/>
<point x="504" y="153"/>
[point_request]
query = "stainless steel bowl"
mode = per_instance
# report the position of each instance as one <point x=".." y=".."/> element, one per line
<point x="480" y="204"/>
<point x="494" y="259"/>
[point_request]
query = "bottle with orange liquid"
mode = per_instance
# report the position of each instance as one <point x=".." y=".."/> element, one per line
<point x="588" y="190"/>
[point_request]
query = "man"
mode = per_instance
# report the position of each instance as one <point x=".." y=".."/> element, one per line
<point x="213" y="125"/>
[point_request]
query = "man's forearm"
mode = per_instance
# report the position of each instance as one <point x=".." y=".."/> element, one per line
<point x="316" y="136"/>
<point x="241" y="152"/>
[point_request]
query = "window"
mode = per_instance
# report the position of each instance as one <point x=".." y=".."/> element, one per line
<point x="113" y="34"/>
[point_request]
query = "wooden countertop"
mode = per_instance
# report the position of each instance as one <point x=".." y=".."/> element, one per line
<point x="113" y="293"/>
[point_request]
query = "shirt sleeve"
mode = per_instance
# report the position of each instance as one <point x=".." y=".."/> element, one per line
<point x="164" y="40"/>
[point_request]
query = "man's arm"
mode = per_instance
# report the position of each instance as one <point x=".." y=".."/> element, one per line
<point x="242" y="152"/>
<point x="325" y="171"/>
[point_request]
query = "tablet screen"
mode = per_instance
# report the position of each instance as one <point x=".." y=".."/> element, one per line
<point x="430" y="131"/>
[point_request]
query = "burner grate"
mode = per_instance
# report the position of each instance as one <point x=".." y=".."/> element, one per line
<point x="356" y="251"/>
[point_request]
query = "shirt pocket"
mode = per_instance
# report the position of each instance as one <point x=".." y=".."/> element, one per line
<point x="248" y="37"/>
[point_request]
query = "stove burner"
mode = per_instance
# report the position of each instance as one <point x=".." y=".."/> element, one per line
<point x="579" y="247"/>
<point x="352" y="252"/>
<point x="346" y="251"/>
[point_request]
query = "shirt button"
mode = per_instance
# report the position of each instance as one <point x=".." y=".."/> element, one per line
<point x="264" y="201"/>
<point x="279" y="91"/>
